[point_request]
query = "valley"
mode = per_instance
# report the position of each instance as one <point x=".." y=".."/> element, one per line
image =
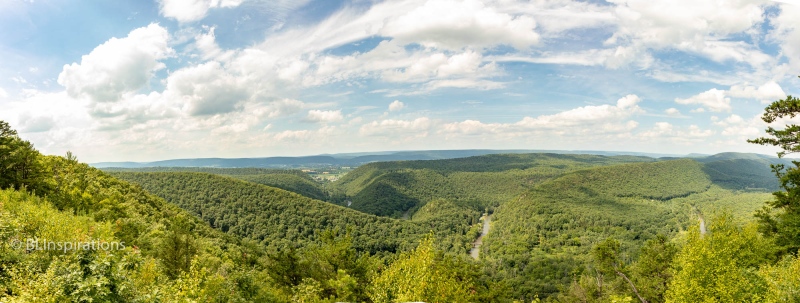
<point x="515" y="227"/>
<point x="546" y="211"/>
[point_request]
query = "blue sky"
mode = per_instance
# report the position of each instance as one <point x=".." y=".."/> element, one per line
<point x="140" y="80"/>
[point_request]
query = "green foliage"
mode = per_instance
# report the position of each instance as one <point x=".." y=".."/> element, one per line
<point x="540" y="242"/>
<point x="272" y="216"/>
<point x="382" y="199"/>
<point x="421" y="275"/>
<point x="82" y="204"/>
<point x="218" y="238"/>
<point x="20" y="165"/>
<point x="783" y="280"/>
<point x="721" y="266"/>
<point x="287" y="179"/>
<point x="447" y="218"/>
<point x="301" y="184"/>
<point x="332" y="271"/>
<point x="652" y="272"/>
<point x="478" y="182"/>
<point x="662" y="180"/>
<point x="400" y="189"/>
<point x="743" y="174"/>
<point x="176" y="251"/>
<point x="786" y="138"/>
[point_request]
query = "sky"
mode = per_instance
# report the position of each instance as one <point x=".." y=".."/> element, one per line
<point x="165" y="79"/>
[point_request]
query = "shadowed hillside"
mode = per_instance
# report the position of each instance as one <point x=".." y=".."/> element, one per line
<point x="542" y="239"/>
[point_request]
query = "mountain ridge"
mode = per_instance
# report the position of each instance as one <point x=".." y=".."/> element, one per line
<point x="356" y="159"/>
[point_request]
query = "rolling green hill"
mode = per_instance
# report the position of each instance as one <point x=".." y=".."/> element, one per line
<point x="101" y="239"/>
<point x="270" y="215"/>
<point x="541" y="241"/>
<point x="399" y="188"/>
<point x="288" y="179"/>
<point x="742" y="174"/>
<point x="661" y="180"/>
<point x="156" y="243"/>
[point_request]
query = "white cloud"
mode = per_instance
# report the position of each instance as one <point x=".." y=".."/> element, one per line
<point x="285" y="107"/>
<point x="592" y="57"/>
<point x="787" y="32"/>
<point x="292" y="135"/>
<point x="673" y="112"/>
<point x="390" y="127"/>
<point x="574" y="122"/>
<point x="54" y="122"/>
<point x="35" y="124"/>
<point x="207" y="44"/>
<point x="206" y="89"/>
<point x="439" y="65"/>
<point x="449" y="24"/>
<point x="118" y="66"/>
<point x="717" y="100"/>
<point x="735" y="125"/>
<point x="391" y="62"/>
<point x="3" y="93"/>
<point x="713" y="99"/>
<point x="559" y="16"/>
<point x="473" y="127"/>
<point x="307" y="137"/>
<point x="768" y="92"/>
<point x="396" y="105"/>
<point x="463" y="83"/>
<point x="666" y="132"/>
<point x="667" y="24"/>
<point x="192" y="10"/>
<point x="324" y="116"/>
<point x="587" y="115"/>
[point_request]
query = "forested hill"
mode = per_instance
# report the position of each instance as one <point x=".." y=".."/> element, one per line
<point x="288" y="179"/>
<point x="100" y="239"/>
<point x="661" y="180"/>
<point x="743" y="171"/>
<point x="549" y="210"/>
<point x="401" y="187"/>
<point x="272" y="216"/>
<point x="540" y="240"/>
<point x="155" y="249"/>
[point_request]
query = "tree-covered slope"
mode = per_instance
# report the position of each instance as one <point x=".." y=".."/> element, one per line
<point x="269" y="215"/>
<point x="289" y="179"/>
<point x="398" y="188"/>
<point x="157" y="244"/>
<point x="660" y="180"/>
<point x="101" y="239"/>
<point x="542" y="240"/>
<point x="744" y="174"/>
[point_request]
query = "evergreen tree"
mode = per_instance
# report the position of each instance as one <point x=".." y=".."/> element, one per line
<point x="20" y="166"/>
<point x="782" y="218"/>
